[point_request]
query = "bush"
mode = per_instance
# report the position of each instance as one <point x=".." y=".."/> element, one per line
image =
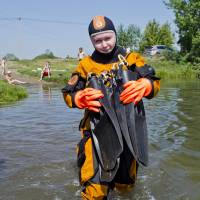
<point x="11" y="57"/>
<point x="172" y="55"/>
<point x="169" y="69"/>
<point x="46" y="56"/>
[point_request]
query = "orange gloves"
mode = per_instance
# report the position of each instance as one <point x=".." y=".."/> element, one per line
<point x="88" y="98"/>
<point x="135" y="90"/>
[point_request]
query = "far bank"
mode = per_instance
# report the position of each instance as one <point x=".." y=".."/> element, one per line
<point x="62" y="68"/>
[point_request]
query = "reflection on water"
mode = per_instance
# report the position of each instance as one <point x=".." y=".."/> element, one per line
<point x="37" y="147"/>
<point x="38" y="137"/>
<point x="46" y="92"/>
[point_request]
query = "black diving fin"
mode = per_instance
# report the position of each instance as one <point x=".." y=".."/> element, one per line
<point x="134" y="128"/>
<point x="121" y="112"/>
<point x="117" y="123"/>
<point x="106" y="132"/>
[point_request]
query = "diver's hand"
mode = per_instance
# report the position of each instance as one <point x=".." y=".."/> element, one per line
<point x="88" y="98"/>
<point x="135" y="90"/>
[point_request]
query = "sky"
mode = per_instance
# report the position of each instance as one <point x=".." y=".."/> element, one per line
<point x="28" y="28"/>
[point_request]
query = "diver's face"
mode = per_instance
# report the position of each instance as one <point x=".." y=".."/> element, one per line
<point x="104" y="42"/>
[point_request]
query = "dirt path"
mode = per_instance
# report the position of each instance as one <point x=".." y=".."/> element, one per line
<point x="12" y="66"/>
<point x="23" y="77"/>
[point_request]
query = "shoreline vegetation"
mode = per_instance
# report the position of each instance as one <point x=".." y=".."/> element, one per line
<point x="166" y="69"/>
<point x="10" y="94"/>
<point x="62" y="68"/>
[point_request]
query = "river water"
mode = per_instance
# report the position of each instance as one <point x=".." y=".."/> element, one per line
<point x="38" y="138"/>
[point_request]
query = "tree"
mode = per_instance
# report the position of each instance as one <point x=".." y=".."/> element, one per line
<point x="165" y="35"/>
<point x="128" y="37"/>
<point x="155" y="34"/>
<point x="48" y="52"/>
<point x="46" y="55"/>
<point x="194" y="54"/>
<point x="10" y="56"/>
<point x="187" y="19"/>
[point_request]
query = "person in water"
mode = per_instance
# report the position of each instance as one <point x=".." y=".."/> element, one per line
<point x="77" y="94"/>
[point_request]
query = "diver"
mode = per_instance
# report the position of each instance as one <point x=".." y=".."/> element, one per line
<point x="101" y="124"/>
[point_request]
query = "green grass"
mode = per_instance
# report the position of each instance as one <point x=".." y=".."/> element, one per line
<point x="11" y="93"/>
<point x="172" y="70"/>
<point x="62" y="68"/>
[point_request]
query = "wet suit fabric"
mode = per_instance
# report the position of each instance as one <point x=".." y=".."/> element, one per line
<point x="89" y="170"/>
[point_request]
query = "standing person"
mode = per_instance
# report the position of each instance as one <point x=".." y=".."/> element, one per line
<point x="3" y="66"/>
<point x="81" y="54"/>
<point x="79" y="93"/>
<point x="46" y="71"/>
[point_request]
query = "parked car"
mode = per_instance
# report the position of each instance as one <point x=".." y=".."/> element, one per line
<point x="156" y="49"/>
<point x="147" y="51"/>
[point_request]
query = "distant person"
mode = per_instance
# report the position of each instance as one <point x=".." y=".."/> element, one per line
<point x="3" y="66"/>
<point x="46" y="71"/>
<point x="9" y="78"/>
<point x="81" y="54"/>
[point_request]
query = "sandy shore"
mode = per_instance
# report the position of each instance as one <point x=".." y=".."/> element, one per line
<point x="25" y="78"/>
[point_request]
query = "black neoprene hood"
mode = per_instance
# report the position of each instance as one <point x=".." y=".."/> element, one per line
<point x="100" y="24"/>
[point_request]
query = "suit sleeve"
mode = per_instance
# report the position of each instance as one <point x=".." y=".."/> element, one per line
<point x="137" y="64"/>
<point x="75" y="84"/>
<point x="148" y="72"/>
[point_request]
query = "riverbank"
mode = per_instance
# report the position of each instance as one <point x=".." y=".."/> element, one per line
<point x="62" y="69"/>
<point x="166" y="69"/>
<point x="11" y="93"/>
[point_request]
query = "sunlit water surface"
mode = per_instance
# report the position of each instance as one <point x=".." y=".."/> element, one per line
<point x="38" y="138"/>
